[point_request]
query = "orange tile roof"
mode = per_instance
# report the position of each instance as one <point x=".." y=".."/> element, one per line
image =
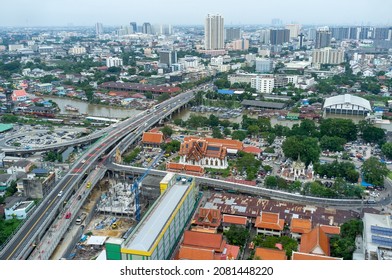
<point x="174" y="165"/>
<point x="269" y="254"/>
<point x="315" y="240"/>
<point x="153" y="137"/>
<point x="233" y="219"/>
<point x="188" y="168"/>
<point x="252" y="150"/>
<point x="330" y="229"/>
<point x="300" y="225"/>
<point x="194" y="253"/>
<point x="19" y="92"/>
<point x="228" y="143"/>
<point x="232" y="252"/>
<point x="269" y="221"/>
<point x="204" y="240"/>
<point x="298" y="256"/>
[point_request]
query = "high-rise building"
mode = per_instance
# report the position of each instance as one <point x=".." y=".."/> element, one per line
<point x="114" y="62"/>
<point x="264" y="65"/>
<point x="354" y="34"/>
<point x="323" y="38"/>
<point x="133" y="26"/>
<point x="279" y="36"/>
<point x="214" y="32"/>
<point x="294" y="30"/>
<point x="167" y="57"/>
<point x="381" y="33"/>
<point x="98" y="28"/>
<point x="147" y="28"/>
<point x="340" y="33"/>
<point x="232" y="34"/>
<point x="327" y="56"/>
<point x="263" y="83"/>
<point x="265" y="36"/>
<point x="365" y="33"/>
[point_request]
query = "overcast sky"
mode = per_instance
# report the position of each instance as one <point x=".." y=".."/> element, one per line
<point x="121" y="12"/>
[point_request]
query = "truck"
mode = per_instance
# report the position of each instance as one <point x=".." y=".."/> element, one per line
<point x="80" y="219"/>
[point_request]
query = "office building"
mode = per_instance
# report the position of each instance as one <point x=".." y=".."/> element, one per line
<point x="264" y="65"/>
<point x="279" y="36"/>
<point x="147" y="28"/>
<point x="114" y="62"/>
<point x="158" y="233"/>
<point x="312" y="34"/>
<point x="265" y="36"/>
<point x="167" y="57"/>
<point x="340" y="33"/>
<point x="98" y="28"/>
<point x="294" y="29"/>
<point x="133" y="27"/>
<point x="327" y="56"/>
<point x="263" y="83"/>
<point x="214" y="32"/>
<point x="232" y="34"/>
<point x="323" y="38"/>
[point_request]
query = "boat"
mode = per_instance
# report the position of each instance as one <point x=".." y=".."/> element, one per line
<point x="71" y="108"/>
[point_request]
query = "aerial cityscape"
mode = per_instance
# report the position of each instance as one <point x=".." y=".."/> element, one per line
<point x="213" y="139"/>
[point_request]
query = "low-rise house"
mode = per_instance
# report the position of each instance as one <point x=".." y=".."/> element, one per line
<point x="20" y="166"/>
<point x="18" y="207"/>
<point x="5" y="181"/>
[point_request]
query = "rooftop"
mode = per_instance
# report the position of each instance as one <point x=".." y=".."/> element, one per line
<point x="270" y="254"/>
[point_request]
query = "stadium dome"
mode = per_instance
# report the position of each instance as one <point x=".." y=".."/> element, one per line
<point x="347" y="104"/>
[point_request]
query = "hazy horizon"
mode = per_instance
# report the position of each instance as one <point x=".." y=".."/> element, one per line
<point x="27" y="13"/>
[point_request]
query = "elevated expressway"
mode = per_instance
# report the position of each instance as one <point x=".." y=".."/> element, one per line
<point x="36" y="226"/>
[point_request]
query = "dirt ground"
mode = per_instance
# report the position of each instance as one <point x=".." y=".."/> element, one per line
<point x="105" y="220"/>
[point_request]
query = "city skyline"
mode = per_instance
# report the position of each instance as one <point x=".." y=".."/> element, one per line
<point x="121" y="12"/>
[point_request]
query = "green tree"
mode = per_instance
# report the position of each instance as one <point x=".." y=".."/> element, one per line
<point x="164" y="96"/>
<point x="332" y="143"/>
<point x="344" y="128"/>
<point x="253" y="130"/>
<point x="216" y="133"/>
<point x="271" y="181"/>
<point x="213" y="120"/>
<point x="372" y="134"/>
<point x="167" y="131"/>
<point x="226" y="131"/>
<point x="305" y="147"/>
<point x="374" y="171"/>
<point x="343" y="246"/>
<point x="238" y="135"/>
<point x="237" y="235"/>
<point x="247" y="162"/>
<point x="387" y="150"/>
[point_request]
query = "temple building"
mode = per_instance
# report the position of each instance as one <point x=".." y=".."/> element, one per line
<point x="298" y="171"/>
<point x="199" y="151"/>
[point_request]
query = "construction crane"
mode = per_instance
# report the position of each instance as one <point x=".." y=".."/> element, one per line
<point x="136" y="184"/>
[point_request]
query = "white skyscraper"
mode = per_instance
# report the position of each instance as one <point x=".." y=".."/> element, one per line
<point x="214" y="32"/>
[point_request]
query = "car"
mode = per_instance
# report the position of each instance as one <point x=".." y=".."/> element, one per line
<point x="60" y="193"/>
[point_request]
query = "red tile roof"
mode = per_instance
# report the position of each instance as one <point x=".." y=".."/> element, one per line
<point x="269" y="254"/>
<point x="298" y="256"/>
<point x="228" y="143"/>
<point x="252" y="150"/>
<point x="233" y="219"/>
<point x="153" y="137"/>
<point x="204" y="240"/>
<point x="195" y="253"/>
<point x="316" y="242"/>
<point x="269" y="220"/>
<point x="330" y="229"/>
<point x="187" y="168"/>
<point x="300" y="225"/>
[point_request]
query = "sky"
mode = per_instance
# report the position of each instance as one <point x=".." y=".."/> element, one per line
<point x="193" y="12"/>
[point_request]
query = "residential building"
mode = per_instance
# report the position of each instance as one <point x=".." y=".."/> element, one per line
<point x="114" y="62"/>
<point x="279" y="36"/>
<point x="323" y="38"/>
<point x="155" y="237"/>
<point x="263" y="83"/>
<point x="77" y="50"/>
<point x="133" y="27"/>
<point x="269" y="224"/>
<point x="267" y="254"/>
<point x="20" y="166"/>
<point x="152" y="139"/>
<point x="5" y="181"/>
<point x="18" y="207"/>
<point x="190" y="61"/>
<point x="241" y="78"/>
<point x="294" y="29"/>
<point x="98" y="28"/>
<point x="240" y="45"/>
<point x="167" y="57"/>
<point x="15" y="47"/>
<point x="232" y="33"/>
<point x="206" y="246"/>
<point x="214" y="32"/>
<point x="19" y="95"/>
<point x="265" y="35"/>
<point x="327" y="56"/>
<point x="264" y="65"/>
<point x="147" y="28"/>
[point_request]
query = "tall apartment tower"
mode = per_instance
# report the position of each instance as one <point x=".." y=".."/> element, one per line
<point x="279" y="36"/>
<point x="294" y="30"/>
<point x="147" y="28"/>
<point x="232" y="33"/>
<point x="323" y="38"/>
<point x="214" y="32"/>
<point x="133" y="27"/>
<point x="98" y="28"/>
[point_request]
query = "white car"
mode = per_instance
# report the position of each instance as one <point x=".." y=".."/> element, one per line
<point x="60" y="193"/>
